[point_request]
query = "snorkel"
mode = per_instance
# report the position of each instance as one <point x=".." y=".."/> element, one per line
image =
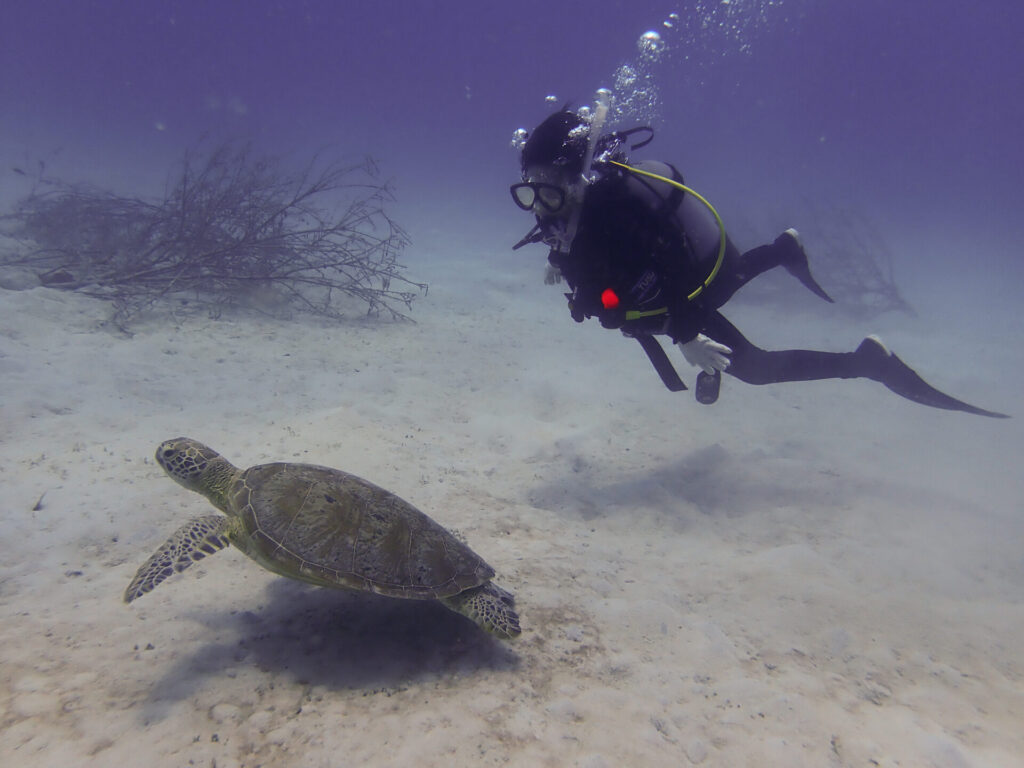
<point x="603" y="102"/>
<point x="565" y="237"/>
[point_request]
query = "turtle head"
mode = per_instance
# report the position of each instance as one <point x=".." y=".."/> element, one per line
<point x="198" y="468"/>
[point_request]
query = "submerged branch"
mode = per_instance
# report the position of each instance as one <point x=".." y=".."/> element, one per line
<point x="227" y="223"/>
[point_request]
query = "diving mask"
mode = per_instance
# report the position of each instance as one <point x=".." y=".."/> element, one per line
<point x="528" y="194"/>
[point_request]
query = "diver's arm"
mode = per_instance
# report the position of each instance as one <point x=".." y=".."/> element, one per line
<point x="685" y="318"/>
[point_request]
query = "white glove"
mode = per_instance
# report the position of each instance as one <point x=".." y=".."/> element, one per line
<point x="706" y="354"/>
<point x="552" y="275"/>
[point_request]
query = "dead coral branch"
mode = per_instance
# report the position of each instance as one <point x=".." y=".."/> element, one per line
<point x="230" y="225"/>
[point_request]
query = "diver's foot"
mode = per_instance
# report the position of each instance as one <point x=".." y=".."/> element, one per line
<point x="795" y="262"/>
<point x="875" y="354"/>
<point x="876" y="362"/>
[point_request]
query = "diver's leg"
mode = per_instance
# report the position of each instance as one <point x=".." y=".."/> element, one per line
<point x="754" y="365"/>
<point x="786" y="251"/>
<point x="870" y="360"/>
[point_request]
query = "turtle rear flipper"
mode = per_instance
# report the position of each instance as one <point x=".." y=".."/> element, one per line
<point x="488" y="605"/>
<point x="195" y="540"/>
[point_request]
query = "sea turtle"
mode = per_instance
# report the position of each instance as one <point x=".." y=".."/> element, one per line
<point x="324" y="527"/>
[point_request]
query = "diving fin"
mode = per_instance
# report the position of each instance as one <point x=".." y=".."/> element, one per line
<point x="795" y="262"/>
<point x="883" y="366"/>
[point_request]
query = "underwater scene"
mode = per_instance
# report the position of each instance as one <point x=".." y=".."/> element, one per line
<point x="537" y="383"/>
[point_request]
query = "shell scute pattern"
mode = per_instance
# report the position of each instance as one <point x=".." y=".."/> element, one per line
<point x="337" y="527"/>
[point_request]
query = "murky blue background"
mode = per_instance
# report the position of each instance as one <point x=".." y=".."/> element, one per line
<point x="912" y="109"/>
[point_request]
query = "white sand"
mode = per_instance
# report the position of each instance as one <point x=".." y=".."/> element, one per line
<point x="801" y="575"/>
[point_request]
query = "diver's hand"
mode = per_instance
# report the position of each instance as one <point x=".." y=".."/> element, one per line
<point x="708" y="355"/>
<point x="552" y="275"/>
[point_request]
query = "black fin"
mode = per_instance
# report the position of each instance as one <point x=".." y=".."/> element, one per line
<point x="797" y="265"/>
<point x="887" y="368"/>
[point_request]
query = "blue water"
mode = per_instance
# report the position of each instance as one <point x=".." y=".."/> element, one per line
<point x="914" y="105"/>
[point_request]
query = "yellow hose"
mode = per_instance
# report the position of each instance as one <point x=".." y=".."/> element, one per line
<point x="721" y="226"/>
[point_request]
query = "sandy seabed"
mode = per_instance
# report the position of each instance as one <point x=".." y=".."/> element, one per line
<point x="811" y="574"/>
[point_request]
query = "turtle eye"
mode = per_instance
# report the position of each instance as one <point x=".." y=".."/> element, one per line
<point x="170" y="453"/>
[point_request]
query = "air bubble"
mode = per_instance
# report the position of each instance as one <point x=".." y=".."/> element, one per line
<point x="519" y="137"/>
<point x="650" y="44"/>
<point x="625" y="78"/>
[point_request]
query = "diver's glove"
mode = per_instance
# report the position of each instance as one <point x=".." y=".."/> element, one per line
<point x="552" y="275"/>
<point x="708" y="355"/>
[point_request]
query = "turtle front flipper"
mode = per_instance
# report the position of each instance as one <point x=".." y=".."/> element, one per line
<point x="488" y="605"/>
<point x="195" y="540"/>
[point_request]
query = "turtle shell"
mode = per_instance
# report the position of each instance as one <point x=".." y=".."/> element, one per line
<point x="331" y="528"/>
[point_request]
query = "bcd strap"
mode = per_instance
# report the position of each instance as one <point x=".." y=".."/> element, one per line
<point x="661" y="363"/>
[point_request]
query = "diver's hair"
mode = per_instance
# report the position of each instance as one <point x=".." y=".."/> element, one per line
<point x="557" y="142"/>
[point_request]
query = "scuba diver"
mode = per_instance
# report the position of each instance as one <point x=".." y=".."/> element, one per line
<point x="645" y="254"/>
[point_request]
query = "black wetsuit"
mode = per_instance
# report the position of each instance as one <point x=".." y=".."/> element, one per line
<point x="642" y="247"/>
<point x="635" y="245"/>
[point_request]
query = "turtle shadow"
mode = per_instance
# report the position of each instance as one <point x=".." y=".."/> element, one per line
<point x="337" y="640"/>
